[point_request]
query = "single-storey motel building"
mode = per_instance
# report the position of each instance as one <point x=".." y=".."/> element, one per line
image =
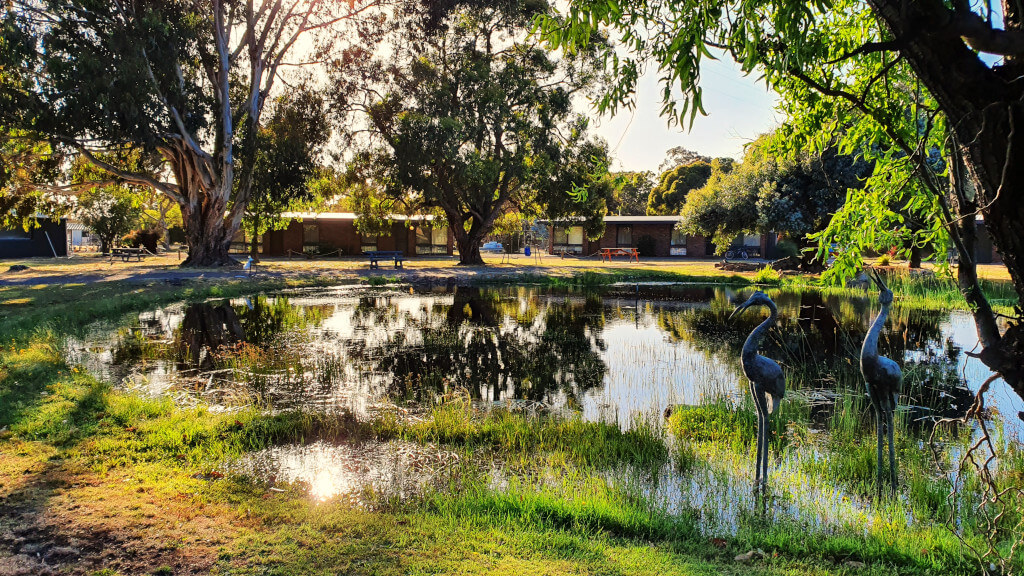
<point x="655" y="235"/>
<point x="327" y="232"/>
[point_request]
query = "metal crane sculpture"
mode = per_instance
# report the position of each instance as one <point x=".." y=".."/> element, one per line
<point x="767" y="384"/>
<point x="884" y="381"/>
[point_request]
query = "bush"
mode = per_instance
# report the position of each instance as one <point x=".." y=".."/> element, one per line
<point x="768" y="275"/>
<point x="646" y="246"/>
<point x="883" y="260"/>
<point x="786" y="249"/>
<point x="142" y="237"/>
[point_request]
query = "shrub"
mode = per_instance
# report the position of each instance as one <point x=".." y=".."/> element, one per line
<point x="883" y="260"/>
<point x="786" y="249"/>
<point x="142" y="237"/>
<point x="768" y="275"/>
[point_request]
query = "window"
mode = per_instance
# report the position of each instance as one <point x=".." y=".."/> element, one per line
<point x="310" y="234"/>
<point x="567" y="240"/>
<point x="368" y="242"/>
<point x="431" y="240"/>
<point x="678" y="246"/>
<point x="624" y="235"/>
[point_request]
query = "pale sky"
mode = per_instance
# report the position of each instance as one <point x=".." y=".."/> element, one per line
<point x="739" y="109"/>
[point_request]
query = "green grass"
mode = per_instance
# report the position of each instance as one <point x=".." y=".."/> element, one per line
<point x="571" y="521"/>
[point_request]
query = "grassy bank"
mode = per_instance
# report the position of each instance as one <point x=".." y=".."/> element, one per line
<point x="138" y="485"/>
<point x="145" y="480"/>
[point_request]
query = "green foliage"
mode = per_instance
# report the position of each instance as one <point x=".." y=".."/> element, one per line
<point x="717" y="422"/>
<point x="726" y="206"/>
<point x="845" y="83"/>
<point x="286" y="156"/>
<point x="673" y="186"/>
<point x="26" y="164"/>
<point x="110" y="211"/>
<point x="632" y="189"/>
<point x="187" y="81"/>
<point x="768" y="275"/>
<point x="470" y="116"/>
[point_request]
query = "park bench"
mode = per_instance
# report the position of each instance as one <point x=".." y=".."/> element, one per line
<point x="126" y="254"/>
<point x="376" y="256"/>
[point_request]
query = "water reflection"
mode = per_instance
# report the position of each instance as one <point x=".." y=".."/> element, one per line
<point x="614" y="355"/>
<point x="362" y="473"/>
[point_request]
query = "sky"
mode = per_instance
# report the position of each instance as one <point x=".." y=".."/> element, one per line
<point x="739" y="109"/>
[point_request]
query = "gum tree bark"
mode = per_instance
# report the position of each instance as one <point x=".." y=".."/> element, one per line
<point x="985" y="107"/>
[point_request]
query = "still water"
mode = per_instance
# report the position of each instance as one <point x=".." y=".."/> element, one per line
<point x="617" y="354"/>
<point x="612" y="355"/>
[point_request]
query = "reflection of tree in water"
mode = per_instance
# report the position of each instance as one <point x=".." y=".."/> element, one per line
<point x="205" y="328"/>
<point x="497" y="347"/>
<point x="818" y="339"/>
<point x="259" y="322"/>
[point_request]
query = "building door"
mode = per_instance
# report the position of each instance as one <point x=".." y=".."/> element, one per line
<point x="402" y="240"/>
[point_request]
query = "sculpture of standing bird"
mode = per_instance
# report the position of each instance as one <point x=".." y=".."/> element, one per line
<point x="884" y="381"/>
<point x="767" y="384"/>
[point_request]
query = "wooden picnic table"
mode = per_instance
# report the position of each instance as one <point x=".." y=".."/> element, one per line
<point x="632" y="253"/>
<point x="127" y="254"/>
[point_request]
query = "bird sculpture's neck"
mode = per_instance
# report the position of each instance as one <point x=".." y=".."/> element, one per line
<point x="870" y="348"/>
<point x="757" y="335"/>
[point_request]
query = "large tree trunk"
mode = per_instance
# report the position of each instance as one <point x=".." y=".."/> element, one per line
<point x="208" y="234"/>
<point x="985" y="109"/>
<point x="469" y="249"/>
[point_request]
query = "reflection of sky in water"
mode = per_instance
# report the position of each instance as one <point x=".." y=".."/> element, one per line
<point x="647" y="373"/>
<point x="351" y="471"/>
<point x="964" y="333"/>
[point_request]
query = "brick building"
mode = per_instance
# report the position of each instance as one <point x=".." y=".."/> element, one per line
<point x="653" y="235"/>
<point x="328" y="232"/>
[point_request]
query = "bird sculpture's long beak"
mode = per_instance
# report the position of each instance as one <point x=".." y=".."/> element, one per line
<point x="739" y="310"/>
<point x="878" y="280"/>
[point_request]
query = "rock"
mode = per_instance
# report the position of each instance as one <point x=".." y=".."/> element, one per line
<point x="34" y="548"/>
<point x="749" y="556"/>
<point x="22" y="565"/>
<point x="17" y="268"/>
<point x="59" y="554"/>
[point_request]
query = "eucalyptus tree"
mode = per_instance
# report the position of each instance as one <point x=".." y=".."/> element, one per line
<point x="632" y="190"/>
<point x="186" y="78"/>
<point x="669" y="194"/>
<point x="287" y="158"/>
<point x="930" y="91"/>
<point x="467" y="116"/>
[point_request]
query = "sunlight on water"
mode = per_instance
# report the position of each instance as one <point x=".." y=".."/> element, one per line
<point x="356" y="472"/>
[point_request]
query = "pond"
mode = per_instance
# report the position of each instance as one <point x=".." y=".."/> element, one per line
<point x="620" y="354"/>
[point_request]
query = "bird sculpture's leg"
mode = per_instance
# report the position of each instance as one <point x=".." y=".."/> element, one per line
<point x="757" y="451"/>
<point x="765" y="435"/>
<point x="880" y="428"/>
<point x="892" y="449"/>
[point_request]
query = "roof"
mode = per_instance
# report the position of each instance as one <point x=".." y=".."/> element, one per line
<point x="621" y="220"/>
<point x="348" y="216"/>
<point x="644" y="219"/>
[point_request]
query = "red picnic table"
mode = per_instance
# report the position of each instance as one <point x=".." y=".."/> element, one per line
<point x="633" y="253"/>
